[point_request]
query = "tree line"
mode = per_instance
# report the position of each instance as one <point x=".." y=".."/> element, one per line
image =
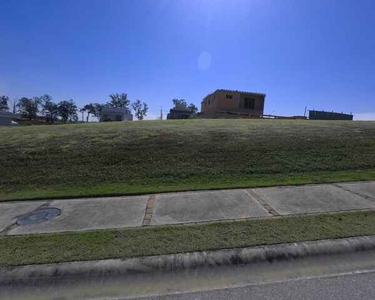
<point x="181" y="104"/>
<point x="67" y="110"/>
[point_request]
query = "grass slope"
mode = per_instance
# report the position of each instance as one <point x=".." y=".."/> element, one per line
<point x="154" y="156"/>
<point x="63" y="247"/>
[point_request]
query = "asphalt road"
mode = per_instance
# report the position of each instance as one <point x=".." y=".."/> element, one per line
<point x="344" y="287"/>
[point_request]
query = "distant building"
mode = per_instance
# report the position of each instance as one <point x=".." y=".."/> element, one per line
<point x="246" y="104"/>
<point x="326" y="115"/>
<point x="179" y="114"/>
<point x="6" y="118"/>
<point x="115" y="114"/>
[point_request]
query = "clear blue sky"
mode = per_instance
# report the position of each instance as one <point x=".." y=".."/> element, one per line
<point x="318" y="53"/>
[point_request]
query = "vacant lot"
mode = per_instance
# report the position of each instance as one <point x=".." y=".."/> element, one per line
<point x="152" y="156"/>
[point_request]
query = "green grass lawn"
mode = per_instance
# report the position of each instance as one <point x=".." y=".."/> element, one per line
<point x="154" y="156"/>
<point x="125" y="243"/>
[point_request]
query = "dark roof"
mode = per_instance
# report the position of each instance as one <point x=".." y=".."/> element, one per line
<point x="175" y="110"/>
<point x="4" y="113"/>
<point x="329" y="112"/>
<point x="179" y="114"/>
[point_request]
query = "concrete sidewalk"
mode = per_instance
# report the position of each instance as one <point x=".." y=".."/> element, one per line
<point x="29" y="217"/>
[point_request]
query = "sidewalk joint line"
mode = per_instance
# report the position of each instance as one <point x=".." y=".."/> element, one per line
<point x="262" y="202"/>
<point x="352" y="192"/>
<point x="9" y="228"/>
<point x="149" y="211"/>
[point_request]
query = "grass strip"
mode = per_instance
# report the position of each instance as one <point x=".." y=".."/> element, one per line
<point x="125" y="243"/>
<point x="124" y="188"/>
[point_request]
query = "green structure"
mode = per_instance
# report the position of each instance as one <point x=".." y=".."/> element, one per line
<point x="326" y="115"/>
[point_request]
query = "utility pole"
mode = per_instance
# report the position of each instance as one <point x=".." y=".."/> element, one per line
<point x="305" y="111"/>
<point x="161" y="113"/>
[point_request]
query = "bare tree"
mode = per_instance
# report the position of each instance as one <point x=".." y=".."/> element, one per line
<point x="140" y="109"/>
<point x="14" y="105"/>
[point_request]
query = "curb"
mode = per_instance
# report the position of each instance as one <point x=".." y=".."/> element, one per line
<point x="82" y="270"/>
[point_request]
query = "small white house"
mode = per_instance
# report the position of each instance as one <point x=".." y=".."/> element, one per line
<point x="115" y="114"/>
<point x="6" y="118"/>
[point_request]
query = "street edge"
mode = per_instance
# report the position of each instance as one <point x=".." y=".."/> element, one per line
<point x="31" y="274"/>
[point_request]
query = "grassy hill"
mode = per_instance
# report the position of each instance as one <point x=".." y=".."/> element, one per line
<point x="154" y="156"/>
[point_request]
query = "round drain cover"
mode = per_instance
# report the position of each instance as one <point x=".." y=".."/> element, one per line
<point x="38" y="216"/>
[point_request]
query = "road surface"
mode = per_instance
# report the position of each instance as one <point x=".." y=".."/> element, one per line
<point x="344" y="287"/>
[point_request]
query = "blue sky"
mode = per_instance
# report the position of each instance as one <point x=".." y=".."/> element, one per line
<point x="319" y="53"/>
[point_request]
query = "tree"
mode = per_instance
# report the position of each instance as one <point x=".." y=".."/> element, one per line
<point x="67" y="110"/>
<point x="182" y="105"/>
<point x="74" y="118"/>
<point x="119" y="100"/>
<point x="89" y="109"/>
<point x="29" y="107"/>
<point x="14" y="105"/>
<point x="4" y="102"/>
<point x="49" y="108"/>
<point x="97" y="109"/>
<point x="140" y="109"/>
<point x="43" y="100"/>
<point x="82" y="110"/>
<point x="193" y="108"/>
<point x="179" y="104"/>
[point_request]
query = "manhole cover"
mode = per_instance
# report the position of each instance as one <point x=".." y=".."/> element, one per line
<point x="38" y="216"/>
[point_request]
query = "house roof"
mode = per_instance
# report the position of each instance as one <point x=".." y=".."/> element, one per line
<point x="241" y="92"/>
<point x="7" y="114"/>
<point x="234" y="91"/>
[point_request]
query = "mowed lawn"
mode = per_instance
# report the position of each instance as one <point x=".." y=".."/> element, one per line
<point x="154" y="156"/>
